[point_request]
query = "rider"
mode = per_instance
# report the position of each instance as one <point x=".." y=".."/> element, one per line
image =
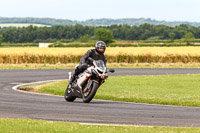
<point x="96" y="54"/>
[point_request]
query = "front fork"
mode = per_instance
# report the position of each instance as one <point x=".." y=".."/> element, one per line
<point x="89" y="85"/>
<point x="86" y="89"/>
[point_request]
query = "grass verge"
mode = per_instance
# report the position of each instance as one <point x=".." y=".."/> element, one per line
<point x="33" y="126"/>
<point x="109" y="65"/>
<point x="182" y="90"/>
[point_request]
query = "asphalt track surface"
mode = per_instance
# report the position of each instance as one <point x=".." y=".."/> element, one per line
<point x="15" y="104"/>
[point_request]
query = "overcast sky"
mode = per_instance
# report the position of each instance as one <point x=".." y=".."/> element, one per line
<point x="169" y="10"/>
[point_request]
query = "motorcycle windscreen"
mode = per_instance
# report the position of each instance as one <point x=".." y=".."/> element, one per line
<point x="100" y="64"/>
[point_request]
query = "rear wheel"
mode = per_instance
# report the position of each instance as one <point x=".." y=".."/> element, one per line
<point x="68" y="95"/>
<point x="89" y="93"/>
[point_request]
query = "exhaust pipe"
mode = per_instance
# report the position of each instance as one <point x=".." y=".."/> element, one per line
<point x="70" y="75"/>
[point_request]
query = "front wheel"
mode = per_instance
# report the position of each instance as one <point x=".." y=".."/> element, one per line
<point x="68" y="95"/>
<point x="88" y="96"/>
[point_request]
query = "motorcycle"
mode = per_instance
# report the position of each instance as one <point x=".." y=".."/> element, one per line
<point x="87" y="83"/>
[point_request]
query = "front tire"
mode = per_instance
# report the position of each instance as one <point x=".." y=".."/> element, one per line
<point x="88" y="97"/>
<point x="68" y="95"/>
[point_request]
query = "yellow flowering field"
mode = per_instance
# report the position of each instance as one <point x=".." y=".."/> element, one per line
<point x="114" y="55"/>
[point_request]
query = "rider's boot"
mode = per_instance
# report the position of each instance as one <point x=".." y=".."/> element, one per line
<point x="76" y="73"/>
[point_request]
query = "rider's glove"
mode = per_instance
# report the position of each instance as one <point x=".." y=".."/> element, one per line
<point x="84" y="65"/>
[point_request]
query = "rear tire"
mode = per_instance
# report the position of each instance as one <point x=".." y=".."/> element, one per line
<point x="87" y="98"/>
<point x="68" y="95"/>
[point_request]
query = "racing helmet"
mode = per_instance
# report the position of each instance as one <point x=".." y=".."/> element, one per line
<point x="99" y="46"/>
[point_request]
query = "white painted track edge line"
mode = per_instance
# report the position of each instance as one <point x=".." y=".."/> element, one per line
<point x="38" y="82"/>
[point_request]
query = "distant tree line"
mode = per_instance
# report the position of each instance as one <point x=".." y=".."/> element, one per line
<point x="74" y="32"/>
<point x="93" y="22"/>
<point x="1" y="38"/>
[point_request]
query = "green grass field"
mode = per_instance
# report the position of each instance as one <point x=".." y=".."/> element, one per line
<point x="182" y="90"/>
<point x="33" y="126"/>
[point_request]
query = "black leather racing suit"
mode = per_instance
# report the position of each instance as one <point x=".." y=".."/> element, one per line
<point x="84" y="62"/>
